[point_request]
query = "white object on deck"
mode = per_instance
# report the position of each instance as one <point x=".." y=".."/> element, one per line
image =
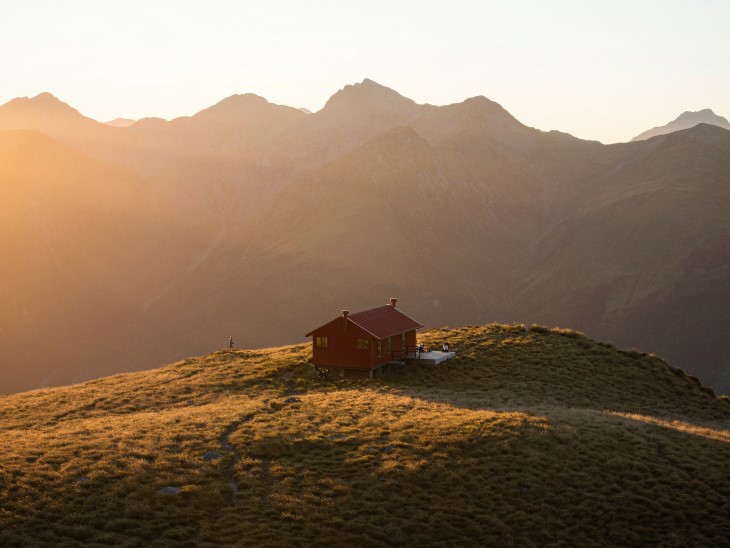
<point x="434" y="357"/>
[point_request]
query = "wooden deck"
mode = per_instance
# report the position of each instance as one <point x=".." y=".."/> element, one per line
<point x="430" y="358"/>
<point x="434" y="357"/>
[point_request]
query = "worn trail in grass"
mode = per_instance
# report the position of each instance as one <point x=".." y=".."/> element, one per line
<point x="529" y="437"/>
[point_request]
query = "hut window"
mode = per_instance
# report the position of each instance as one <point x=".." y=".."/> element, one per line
<point x="362" y="344"/>
<point x="380" y="348"/>
<point x="390" y="344"/>
<point x="321" y="342"/>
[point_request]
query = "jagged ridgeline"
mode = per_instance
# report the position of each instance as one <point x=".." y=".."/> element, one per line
<point x="130" y="245"/>
<point x="530" y="436"/>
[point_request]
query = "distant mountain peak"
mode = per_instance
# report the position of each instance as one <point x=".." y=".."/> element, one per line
<point x="242" y="98"/>
<point x="46" y="96"/>
<point x="686" y="120"/>
<point x="44" y="112"/>
<point x="483" y="108"/>
<point x="236" y="101"/>
<point x="44" y="100"/>
<point x="120" y="122"/>
<point x="369" y="93"/>
<point x="704" y="116"/>
<point x="237" y="105"/>
<point x="480" y="101"/>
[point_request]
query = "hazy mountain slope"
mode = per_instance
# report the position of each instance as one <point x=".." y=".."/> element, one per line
<point x="45" y="113"/>
<point x="353" y="116"/>
<point x="442" y="224"/>
<point x="686" y="120"/>
<point x="327" y="234"/>
<point x="441" y="227"/>
<point x="226" y="130"/>
<point x="48" y="114"/>
<point x="644" y="261"/>
<point x="528" y="437"/>
<point x="541" y="173"/>
<point x="219" y="155"/>
<point x="84" y="245"/>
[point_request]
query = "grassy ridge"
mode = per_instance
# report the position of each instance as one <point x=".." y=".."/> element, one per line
<point x="531" y="436"/>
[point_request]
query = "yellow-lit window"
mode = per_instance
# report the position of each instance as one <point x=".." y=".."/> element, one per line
<point x="390" y="344"/>
<point x="321" y="342"/>
<point x="379" y="348"/>
<point x="363" y="344"/>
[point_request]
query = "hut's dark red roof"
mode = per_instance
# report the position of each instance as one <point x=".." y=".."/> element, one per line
<point x="382" y="322"/>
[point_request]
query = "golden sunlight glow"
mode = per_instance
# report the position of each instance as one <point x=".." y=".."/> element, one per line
<point x="711" y="433"/>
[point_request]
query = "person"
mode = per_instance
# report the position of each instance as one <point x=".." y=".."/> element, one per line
<point x="230" y="343"/>
<point x="446" y="346"/>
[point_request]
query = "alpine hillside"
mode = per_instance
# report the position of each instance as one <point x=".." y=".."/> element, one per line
<point x="530" y="436"/>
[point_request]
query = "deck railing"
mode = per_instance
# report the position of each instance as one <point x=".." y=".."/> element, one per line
<point x="401" y="354"/>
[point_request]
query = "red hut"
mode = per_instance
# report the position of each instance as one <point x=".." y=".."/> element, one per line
<point x="364" y="341"/>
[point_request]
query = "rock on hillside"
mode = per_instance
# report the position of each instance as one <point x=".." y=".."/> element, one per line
<point x="530" y="436"/>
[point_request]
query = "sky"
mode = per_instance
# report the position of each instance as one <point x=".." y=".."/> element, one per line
<point x="603" y="70"/>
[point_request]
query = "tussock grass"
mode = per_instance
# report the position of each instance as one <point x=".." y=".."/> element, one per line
<point x="531" y="436"/>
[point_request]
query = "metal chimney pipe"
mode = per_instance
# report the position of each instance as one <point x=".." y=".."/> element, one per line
<point x="393" y="300"/>
<point x="344" y="319"/>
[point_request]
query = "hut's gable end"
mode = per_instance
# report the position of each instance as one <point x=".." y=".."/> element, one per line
<point x="342" y="348"/>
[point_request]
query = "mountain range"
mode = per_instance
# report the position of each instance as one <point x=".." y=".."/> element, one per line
<point x="131" y="246"/>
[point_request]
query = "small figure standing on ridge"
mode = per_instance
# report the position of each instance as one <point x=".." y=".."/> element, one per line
<point x="446" y="346"/>
<point x="230" y="343"/>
